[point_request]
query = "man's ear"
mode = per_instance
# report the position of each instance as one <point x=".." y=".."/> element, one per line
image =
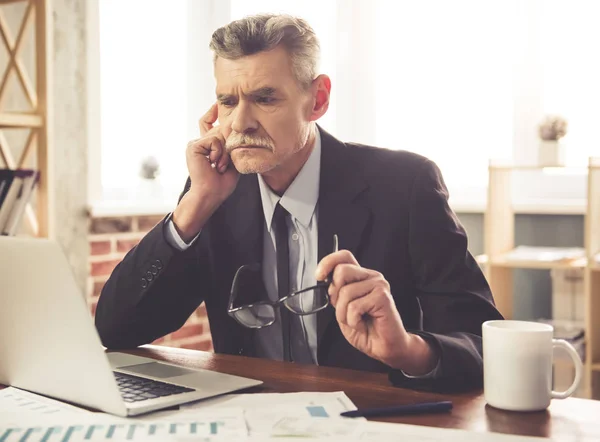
<point x="320" y="91"/>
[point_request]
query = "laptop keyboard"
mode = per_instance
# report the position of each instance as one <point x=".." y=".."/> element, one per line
<point x="134" y="388"/>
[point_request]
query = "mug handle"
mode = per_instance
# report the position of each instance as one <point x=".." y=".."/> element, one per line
<point x="578" y="368"/>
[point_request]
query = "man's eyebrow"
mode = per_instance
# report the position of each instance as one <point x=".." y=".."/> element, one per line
<point x="224" y="97"/>
<point x="264" y="92"/>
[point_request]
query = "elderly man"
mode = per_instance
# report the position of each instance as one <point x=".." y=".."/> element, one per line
<point x="255" y="234"/>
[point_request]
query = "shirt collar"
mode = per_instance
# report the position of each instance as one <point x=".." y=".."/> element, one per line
<point x="300" y="198"/>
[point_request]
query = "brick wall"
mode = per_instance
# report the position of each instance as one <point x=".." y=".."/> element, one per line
<point x="110" y="239"/>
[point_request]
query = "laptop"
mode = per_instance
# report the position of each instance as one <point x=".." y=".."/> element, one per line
<point x="49" y="344"/>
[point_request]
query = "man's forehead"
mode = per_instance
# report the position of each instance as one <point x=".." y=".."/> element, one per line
<point x="248" y="83"/>
<point x="264" y="69"/>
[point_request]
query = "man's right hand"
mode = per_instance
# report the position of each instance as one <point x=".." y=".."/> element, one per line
<point x="213" y="178"/>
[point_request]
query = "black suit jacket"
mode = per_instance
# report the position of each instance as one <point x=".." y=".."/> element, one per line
<point x="389" y="208"/>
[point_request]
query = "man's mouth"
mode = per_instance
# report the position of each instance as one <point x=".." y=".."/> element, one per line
<point x="249" y="146"/>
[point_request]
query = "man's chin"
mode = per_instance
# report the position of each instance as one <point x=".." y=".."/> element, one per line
<point x="247" y="166"/>
<point x="247" y="163"/>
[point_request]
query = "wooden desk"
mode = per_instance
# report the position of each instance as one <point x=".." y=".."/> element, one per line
<point x="567" y="420"/>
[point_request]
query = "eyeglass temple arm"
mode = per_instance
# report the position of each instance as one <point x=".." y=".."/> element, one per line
<point x="235" y="286"/>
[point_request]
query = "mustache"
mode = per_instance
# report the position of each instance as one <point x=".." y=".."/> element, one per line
<point x="236" y="140"/>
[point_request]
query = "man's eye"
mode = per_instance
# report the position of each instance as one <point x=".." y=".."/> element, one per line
<point x="228" y="103"/>
<point x="265" y="100"/>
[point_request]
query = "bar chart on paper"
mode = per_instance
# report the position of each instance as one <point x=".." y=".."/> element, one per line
<point x="28" y="417"/>
<point x="159" y="431"/>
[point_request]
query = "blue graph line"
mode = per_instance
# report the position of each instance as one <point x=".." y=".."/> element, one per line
<point x="49" y="432"/>
<point x="7" y="433"/>
<point x="90" y="431"/>
<point x="70" y="431"/>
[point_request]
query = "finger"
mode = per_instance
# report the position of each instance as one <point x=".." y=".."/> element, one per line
<point x="366" y="308"/>
<point x="216" y="150"/>
<point x="329" y="263"/>
<point x="198" y="147"/>
<point x="208" y="119"/>
<point x="348" y="294"/>
<point x="345" y="274"/>
<point x="209" y="147"/>
<point x="225" y="157"/>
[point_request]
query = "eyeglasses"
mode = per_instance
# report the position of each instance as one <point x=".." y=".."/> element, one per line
<point x="261" y="314"/>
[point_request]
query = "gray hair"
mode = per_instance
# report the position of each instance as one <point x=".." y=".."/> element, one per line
<point x="263" y="32"/>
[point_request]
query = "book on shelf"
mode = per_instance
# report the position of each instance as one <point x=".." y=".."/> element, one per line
<point x="16" y="187"/>
<point x="546" y="254"/>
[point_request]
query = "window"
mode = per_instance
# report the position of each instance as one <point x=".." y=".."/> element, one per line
<point x="143" y="98"/>
<point x="459" y="82"/>
<point x="569" y="39"/>
<point x="444" y="83"/>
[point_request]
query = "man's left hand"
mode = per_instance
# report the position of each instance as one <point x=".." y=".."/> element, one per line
<point x="368" y="317"/>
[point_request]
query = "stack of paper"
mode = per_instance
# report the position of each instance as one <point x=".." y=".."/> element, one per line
<point x="243" y="417"/>
<point x="547" y="254"/>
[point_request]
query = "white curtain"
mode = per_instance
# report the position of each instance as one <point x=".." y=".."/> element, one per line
<point x="460" y="82"/>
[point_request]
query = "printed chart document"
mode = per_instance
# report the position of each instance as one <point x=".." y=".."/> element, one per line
<point x="312" y="403"/>
<point x="261" y="410"/>
<point x="223" y="424"/>
<point x="29" y="417"/>
<point x="21" y="401"/>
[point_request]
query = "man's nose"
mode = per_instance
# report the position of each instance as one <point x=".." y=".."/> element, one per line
<point x="243" y="120"/>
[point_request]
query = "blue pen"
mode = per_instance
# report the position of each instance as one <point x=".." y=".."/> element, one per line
<point x="426" y="407"/>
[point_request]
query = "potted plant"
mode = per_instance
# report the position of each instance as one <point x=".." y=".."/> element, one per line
<point x="551" y="149"/>
<point x="149" y="187"/>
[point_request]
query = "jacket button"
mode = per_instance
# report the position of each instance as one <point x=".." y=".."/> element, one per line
<point x="149" y="276"/>
<point x="153" y="269"/>
<point x="158" y="264"/>
<point x="144" y="283"/>
<point x="240" y="351"/>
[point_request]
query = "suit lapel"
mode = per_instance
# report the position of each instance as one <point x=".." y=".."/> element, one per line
<point x="246" y="222"/>
<point x="341" y="211"/>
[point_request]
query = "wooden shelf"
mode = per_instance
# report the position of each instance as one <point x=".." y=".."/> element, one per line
<point x="14" y="120"/>
<point x="535" y="167"/>
<point x="503" y="261"/>
<point x="499" y="237"/>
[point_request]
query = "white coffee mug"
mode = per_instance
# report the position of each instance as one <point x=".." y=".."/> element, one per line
<point x="517" y="365"/>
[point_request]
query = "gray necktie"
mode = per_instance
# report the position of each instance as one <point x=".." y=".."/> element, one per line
<point x="295" y="344"/>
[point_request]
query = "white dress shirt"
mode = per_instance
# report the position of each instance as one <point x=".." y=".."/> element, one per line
<point x="301" y="201"/>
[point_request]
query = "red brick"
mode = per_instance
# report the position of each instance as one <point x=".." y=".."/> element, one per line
<point x="100" y="247"/>
<point x="111" y="225"/>
<point x="204" y="345"/>
<point x="104" y="268"/>
<point x="125" y="245"/>
<point x="98" y="285"/>
<point x="146" y="223"/>
<point x="187" y="331"/>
